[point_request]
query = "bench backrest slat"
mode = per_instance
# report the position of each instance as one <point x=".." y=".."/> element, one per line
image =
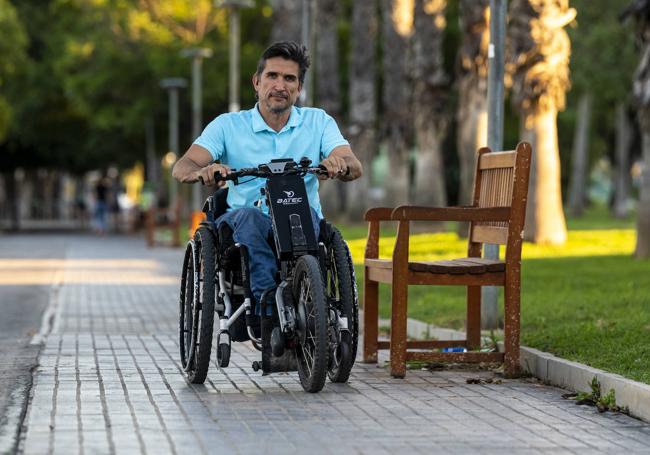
<point x="494" y="187"/>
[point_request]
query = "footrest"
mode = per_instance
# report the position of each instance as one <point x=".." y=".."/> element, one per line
<point x="270" y="363"/>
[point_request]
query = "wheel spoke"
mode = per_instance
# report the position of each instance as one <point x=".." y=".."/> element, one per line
<point x="308" y="360"/>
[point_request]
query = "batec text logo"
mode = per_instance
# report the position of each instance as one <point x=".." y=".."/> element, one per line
<point x="289" y="200"/>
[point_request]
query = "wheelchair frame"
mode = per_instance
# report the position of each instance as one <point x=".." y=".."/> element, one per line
<point x="234" y="298"/>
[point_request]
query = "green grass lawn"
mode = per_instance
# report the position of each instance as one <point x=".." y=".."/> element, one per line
<point x="588" y="300"/>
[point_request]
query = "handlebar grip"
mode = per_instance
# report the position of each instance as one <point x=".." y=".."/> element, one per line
<point x="217" y="178"/>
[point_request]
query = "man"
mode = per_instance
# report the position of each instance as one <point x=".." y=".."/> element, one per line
<point x="274" y="128"/>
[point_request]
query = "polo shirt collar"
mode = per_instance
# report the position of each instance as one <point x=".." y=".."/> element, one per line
<point x="258" y="123"/>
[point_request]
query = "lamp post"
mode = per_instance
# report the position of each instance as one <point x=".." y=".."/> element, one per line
<point x="172" y="85"/>
<point x="234" y="47"/>
<point x="197" y="54"/>
<point x="489" y="308"/>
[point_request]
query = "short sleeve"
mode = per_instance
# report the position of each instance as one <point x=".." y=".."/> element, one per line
<point x="331" y="138"/>
<point x="213" y="137"/>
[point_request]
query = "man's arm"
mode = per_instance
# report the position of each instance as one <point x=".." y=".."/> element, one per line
<point x="195" y="164"/>
<point x="342" y="164"/>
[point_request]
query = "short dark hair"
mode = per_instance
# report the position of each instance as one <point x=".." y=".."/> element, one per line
<point x="289" y="50"/>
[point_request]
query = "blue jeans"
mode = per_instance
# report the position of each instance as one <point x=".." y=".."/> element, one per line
<point x="251" y="228"/>
<point x="100" y="216"/>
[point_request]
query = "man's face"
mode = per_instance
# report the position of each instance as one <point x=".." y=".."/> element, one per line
<point x="278" y="86"/>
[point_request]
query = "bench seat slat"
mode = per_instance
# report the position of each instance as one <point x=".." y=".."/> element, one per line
<point x="474" y="266"/>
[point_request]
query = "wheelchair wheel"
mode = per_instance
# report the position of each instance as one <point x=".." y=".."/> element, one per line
<point x="202" y="307"/>
<point x="311" y="324"/>
<point x="185" y="319"/>
<point x="341" y="288"/>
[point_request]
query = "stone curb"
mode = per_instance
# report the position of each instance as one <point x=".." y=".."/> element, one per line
<point x="577" y="377"/>
<point x="559" y="372"/>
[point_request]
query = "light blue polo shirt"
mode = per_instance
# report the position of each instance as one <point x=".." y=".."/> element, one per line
<point x="243" y="139"/>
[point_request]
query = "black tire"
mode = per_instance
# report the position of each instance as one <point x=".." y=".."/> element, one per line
<point x="185" y="320"/>
<point x="341" y="288"/>
<point x="223" y="355"/>
<point x="203" y="306"/>
<point x="312" y="324"/>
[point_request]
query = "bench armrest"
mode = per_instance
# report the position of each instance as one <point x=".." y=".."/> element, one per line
<point x="378" y="214"/>
<point x="418" y="213"/>
<point x="373" y="217"/>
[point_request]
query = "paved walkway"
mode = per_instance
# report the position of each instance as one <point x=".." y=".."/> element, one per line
<point x="109" y="381"/>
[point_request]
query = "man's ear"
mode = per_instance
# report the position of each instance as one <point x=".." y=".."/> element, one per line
<point x="255" y="81"/>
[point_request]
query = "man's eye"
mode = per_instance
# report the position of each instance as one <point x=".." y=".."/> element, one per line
<point x="290" y="78"/>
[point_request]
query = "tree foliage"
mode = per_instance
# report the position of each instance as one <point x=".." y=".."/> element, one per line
<point x="602" y="63"/>
<point x="78" y="78"/>
<point x="93" y="71"/>
<point x="13" y="41"/>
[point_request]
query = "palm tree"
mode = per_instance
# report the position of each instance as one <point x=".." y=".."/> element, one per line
<point x="640" y="10"/>
<point x="472" y="90"/>
<point x="397" y="17"/>
<point x="328" y="92"/>
<point x="538" y="63"/>
<point x="430" y="89"/>
<point x="362" y="131"/>
<point x="287" y="20"/>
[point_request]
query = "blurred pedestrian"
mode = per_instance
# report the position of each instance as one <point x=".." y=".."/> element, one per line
<point x="101" y="205"/>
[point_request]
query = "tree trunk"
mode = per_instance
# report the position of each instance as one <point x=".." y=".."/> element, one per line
<point x="545" y="223"/>
<point x="643" y="208"/>
<point x="287" y="20"/>
<point x="579" y="163"/>
<point x="153" y="163"/>
<point x="397" y="119"/>
<point x="328" y="92"/>
<point x="328" y="83"/>
<point x="48" y="199"/>
<point x="472" y="93"/>
<point x="537" y="59"/>
<point x="621" y="209"/>
<point x="26" y="195"/>
<point x="362" y="132"/>
<point x="429" y="103"/>
<point x="13" y="200"/>
<point x="472" y="135"/>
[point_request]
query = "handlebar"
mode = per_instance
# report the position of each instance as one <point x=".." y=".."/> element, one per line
<point x="263" y="171"/>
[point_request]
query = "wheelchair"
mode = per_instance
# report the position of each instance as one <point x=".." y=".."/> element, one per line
<point x="308" y="322"/>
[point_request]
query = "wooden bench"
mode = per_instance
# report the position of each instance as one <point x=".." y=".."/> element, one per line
<point x="496" y="217"/>
<point x="163" y="218"/>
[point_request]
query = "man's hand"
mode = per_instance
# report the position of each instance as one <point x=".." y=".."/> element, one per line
<point x="336" y="167"/>
<point x="207" y="174"/>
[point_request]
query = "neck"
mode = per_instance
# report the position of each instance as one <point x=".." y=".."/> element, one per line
<point x="276" y="121"/>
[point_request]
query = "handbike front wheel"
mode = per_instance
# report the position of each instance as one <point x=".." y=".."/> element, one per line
<point x="312" y="324"/>
<point x="342" y="296"/>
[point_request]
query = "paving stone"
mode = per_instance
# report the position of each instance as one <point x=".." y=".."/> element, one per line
<point x="112" y="372"/>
